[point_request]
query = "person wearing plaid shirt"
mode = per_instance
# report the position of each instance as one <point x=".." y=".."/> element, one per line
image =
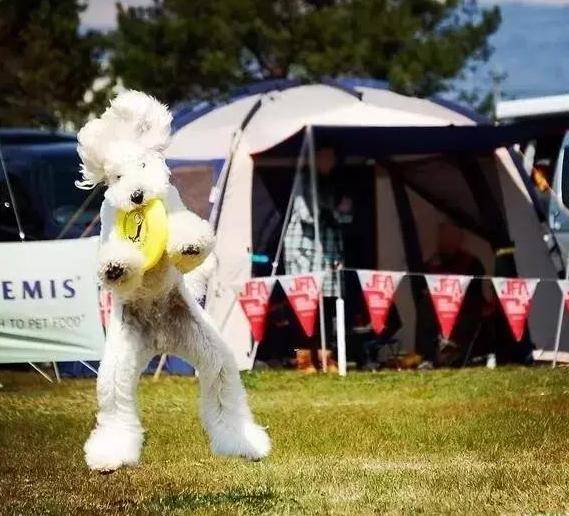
<point x="300" y="244"/>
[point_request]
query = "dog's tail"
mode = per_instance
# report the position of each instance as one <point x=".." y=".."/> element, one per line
<point x="196" y="280"/>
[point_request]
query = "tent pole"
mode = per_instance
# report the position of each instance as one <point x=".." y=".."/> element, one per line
<point x="222" y="181"/>
<point x="224" y="175"/>
<point x="317" y="239"/>
<point x="340" y="327"/>
<point x="560" y="320"/>
<point x="295" y="183"/>
<point x="88" y="366"/>
<point x="45" y="375"/>
<point x="314" y="188"/>
<point x="161" y="365"/>
<point x="56" y="372"/>
<point x="79" y="212"/>
<point x="21" y="233"/>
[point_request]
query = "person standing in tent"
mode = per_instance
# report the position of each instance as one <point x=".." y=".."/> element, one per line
<point x="301" y="247"/>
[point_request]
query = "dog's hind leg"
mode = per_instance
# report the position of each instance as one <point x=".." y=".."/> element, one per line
<point x="117" y="437"/>
<point x="224" y="409"/>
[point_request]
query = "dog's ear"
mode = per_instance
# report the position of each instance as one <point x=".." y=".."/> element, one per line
<point x="141" y="118"/>
<point x="91" y="149"/>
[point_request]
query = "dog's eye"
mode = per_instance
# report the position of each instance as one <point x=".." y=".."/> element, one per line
<point x="117" y="177"/>
<point x="143" y="164"/>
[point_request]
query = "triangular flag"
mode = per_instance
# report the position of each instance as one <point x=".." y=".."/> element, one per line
<point x="254" y="299"/>
<point x="515" y="295"/>
<point x="564" y="287"/>
<point x="303" y="293"/>
<point x="447" y="292"/>
<point x="378" y="288"/>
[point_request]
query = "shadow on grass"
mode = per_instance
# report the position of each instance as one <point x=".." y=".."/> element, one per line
<point x="258" y="501"/>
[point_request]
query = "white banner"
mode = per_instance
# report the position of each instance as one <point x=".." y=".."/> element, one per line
<point x="49" y="302"/>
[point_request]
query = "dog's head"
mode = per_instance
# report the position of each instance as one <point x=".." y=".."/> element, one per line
<point x="124" y="150"/>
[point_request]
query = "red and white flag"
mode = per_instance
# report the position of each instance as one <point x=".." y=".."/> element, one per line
<point x="254" y="299"/>
<point x="447" y="292"/>
<point x="515" y="295"/>
<point x="379" y="289"/>
<point x="564" y="287"/>
<point x="303" y="293"/>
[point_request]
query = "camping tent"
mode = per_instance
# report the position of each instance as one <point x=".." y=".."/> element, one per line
<point x="430" y="160"/>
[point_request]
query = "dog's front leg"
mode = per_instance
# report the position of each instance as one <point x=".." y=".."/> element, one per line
<point x="224" y="409"/>
<point x="117" y="437"/>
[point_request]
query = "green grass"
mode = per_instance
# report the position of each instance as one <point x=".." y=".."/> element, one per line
<point x="468" y="441"/>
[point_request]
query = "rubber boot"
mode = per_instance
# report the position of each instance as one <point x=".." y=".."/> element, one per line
<point x="304" y="361"/>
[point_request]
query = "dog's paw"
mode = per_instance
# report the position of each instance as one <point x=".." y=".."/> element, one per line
<point x="258" y="443"/>
<point x="191" y="250"/>
<point x="251" y="441"/>
<point x="114" y="271"/>
<point x="190" y="240"/>
<point x="107" y="449"/>
<point x="189" y="257"/>
<point x="120" y="266"/>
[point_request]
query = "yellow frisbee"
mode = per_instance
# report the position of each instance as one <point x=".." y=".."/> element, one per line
<point x="147" y="228"/>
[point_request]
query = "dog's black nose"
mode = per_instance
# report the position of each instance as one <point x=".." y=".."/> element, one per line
<point x="137" y="197"/>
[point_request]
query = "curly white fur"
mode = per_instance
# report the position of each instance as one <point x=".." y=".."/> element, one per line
<point x="133" y="119"/>
<point x="155" y="311"/>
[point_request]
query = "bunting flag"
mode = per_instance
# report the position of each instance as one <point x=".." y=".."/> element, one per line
<point x="303" y="293"/>
<point x="379" y="289"/>
<point x="447" y="292"/>
<point x="564" y="287"/>
<point x="515" y="295"/>
<point x="254" y="299"/>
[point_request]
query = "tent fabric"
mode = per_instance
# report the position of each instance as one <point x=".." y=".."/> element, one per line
<point x="285" y="113"/>
<point x="233" y="252"/>
<point x="429" y="152"/>
<point x="187" y="112"/>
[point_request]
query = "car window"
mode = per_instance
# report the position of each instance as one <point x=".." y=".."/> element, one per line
<point x="63" y="198"/>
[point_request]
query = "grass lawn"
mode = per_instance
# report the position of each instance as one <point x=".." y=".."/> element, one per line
<point x="467" y="441"/>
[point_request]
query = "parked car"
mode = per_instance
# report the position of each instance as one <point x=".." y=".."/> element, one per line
<point x="42" y="167"/>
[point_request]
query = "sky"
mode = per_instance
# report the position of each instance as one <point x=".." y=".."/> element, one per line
<point x="531" y="46"/>
<point x="100" y="14"/>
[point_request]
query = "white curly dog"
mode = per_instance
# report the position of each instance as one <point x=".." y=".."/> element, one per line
<point x="154" y="311"/>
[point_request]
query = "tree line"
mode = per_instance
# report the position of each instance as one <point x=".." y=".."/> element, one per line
<point x="55" y="72"/>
